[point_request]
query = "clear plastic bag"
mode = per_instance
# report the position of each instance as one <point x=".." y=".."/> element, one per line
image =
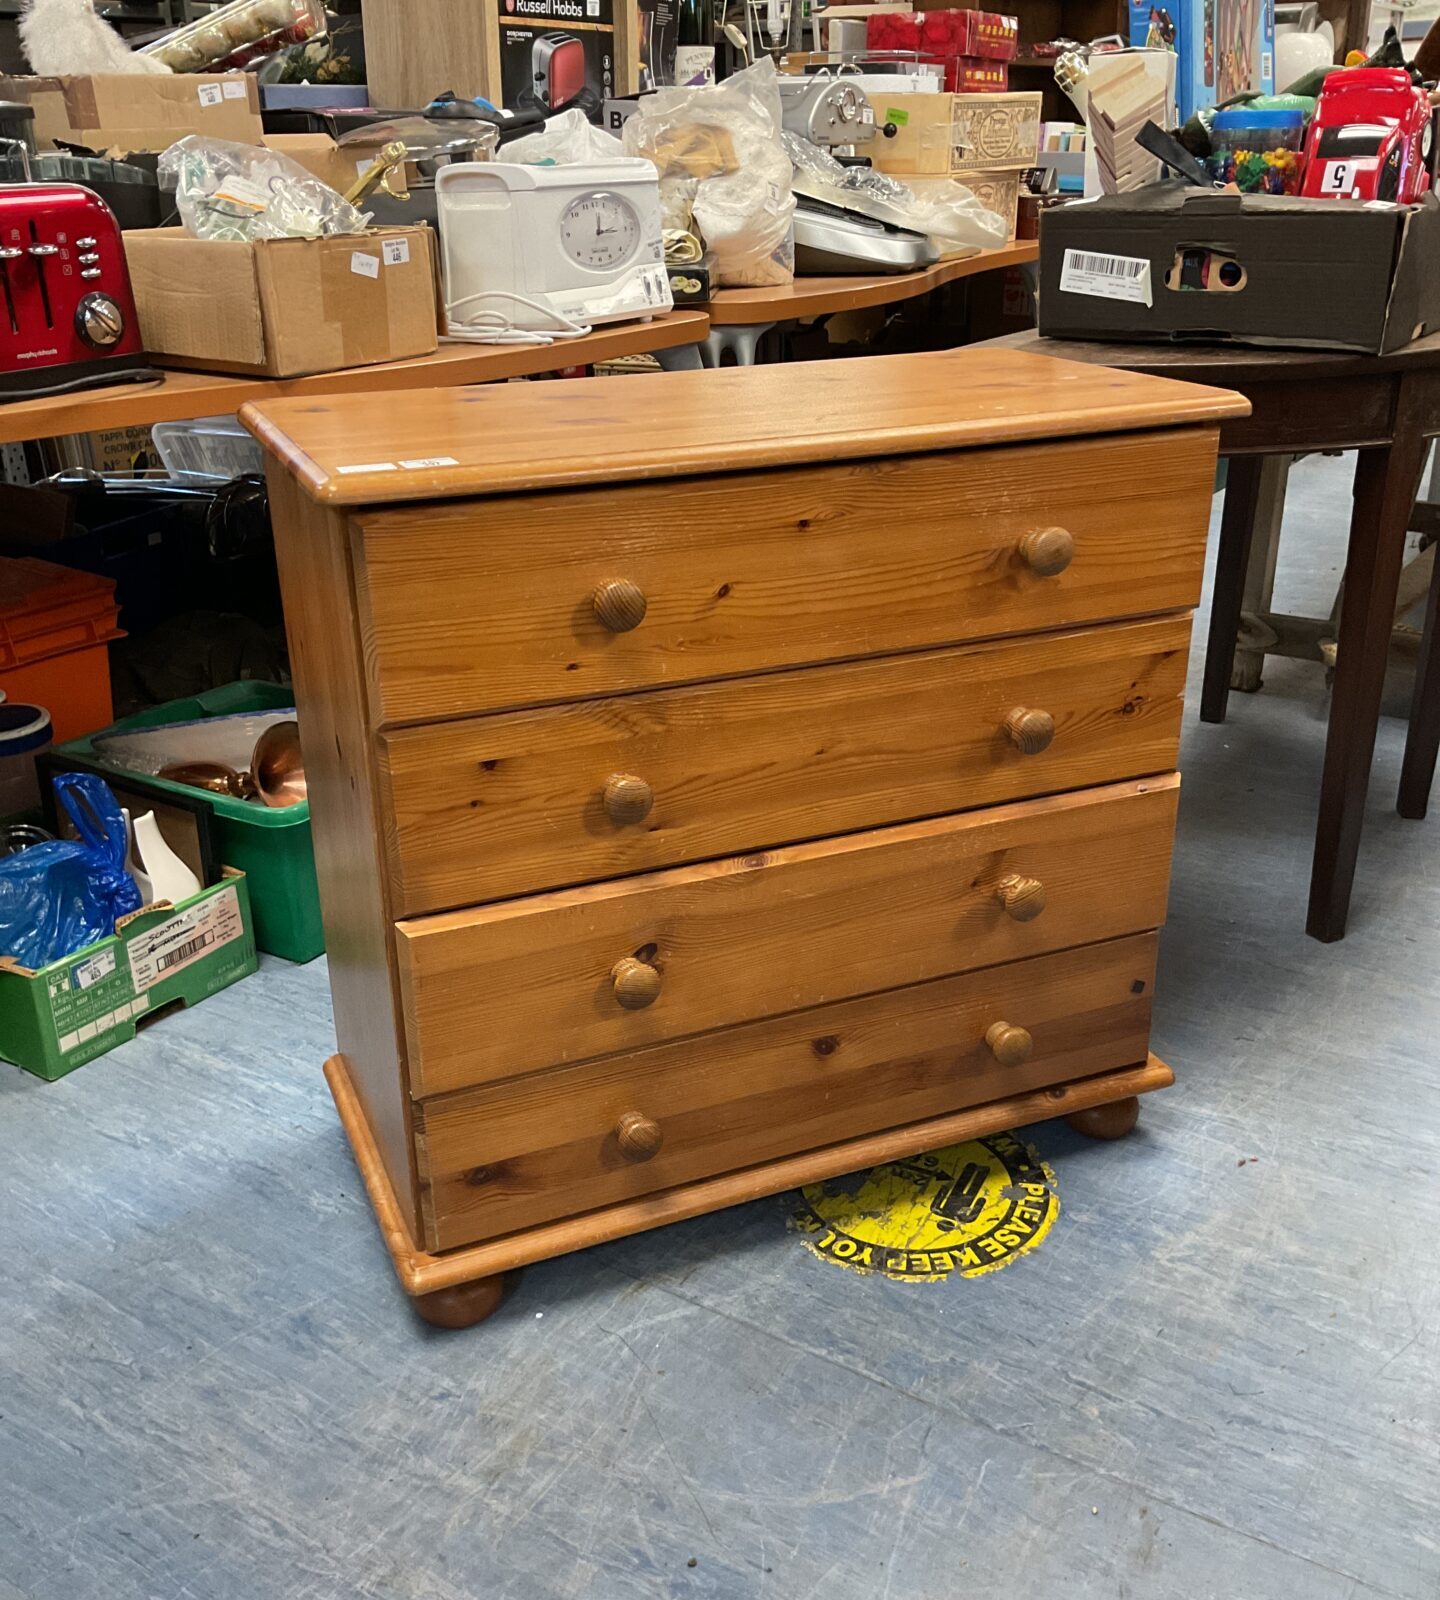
<point x="241" y="191"/>
<point x="564" y="140"/>
<point x="724" y="171"/>
<point x="58" y="897"/>
<point x="948" y="213"/>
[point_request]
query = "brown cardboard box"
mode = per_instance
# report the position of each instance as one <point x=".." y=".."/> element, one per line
<point x="284" y="307"/>
<point x="132" y="112"/>
<point x="946" y="135"/>
<point x="319" y="155"/>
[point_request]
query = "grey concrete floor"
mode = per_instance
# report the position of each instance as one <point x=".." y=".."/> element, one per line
<point x="1211" y="1380"/>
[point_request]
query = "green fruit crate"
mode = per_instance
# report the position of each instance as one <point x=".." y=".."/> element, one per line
<point x="271" y="846"/>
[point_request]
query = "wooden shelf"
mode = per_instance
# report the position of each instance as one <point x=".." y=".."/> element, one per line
<point x="198" y="394"/>
<point x="818" y="297"/>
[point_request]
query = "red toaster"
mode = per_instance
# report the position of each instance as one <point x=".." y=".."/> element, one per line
<point x="557" y="68"/>
<point x="68" y="318"/>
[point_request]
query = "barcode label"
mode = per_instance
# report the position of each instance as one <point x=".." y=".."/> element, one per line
<point x="182" y="952"/>
<point x="1267" y="67"/>
<point x="188" y="936"/>
<point x="1106" y="277"/>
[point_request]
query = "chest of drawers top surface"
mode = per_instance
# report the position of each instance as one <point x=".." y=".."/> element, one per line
<point x="359" y="450"/>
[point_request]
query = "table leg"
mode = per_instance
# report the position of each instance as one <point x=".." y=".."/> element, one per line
<point x="1237" y="529"/>
<point x="1385" y="483"/>
<point x="739" y="339"/>
<point x="1422" y="743"/>
<point x="1258" y="592"/>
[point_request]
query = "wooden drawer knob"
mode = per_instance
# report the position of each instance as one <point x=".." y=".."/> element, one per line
<point x="620" y="606"/>
<point x="637" y="983"/>
<point x="1048" y="551"/>
<point x="1030" y="731"/>
<point x="627" y="798"/>
<point x="1022" y="898"/>
<point x="638" y="1136"/>
<point x="1011" y="1046"/>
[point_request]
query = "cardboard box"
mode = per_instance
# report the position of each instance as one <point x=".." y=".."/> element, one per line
<point x="284" y="307"/>
<point x="947" y="135"/>
<point x="82" y="1005"/>
<point x="1225" y="47"/>
<point x="139" y="111"/>
<point x="1174" y="262"/>
<point x="319" y="155"/>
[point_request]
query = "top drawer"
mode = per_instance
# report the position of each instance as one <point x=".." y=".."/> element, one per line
<point x="524" y="599"/>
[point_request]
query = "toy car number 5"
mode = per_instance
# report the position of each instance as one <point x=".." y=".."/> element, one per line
<point x="1337" y="178"/>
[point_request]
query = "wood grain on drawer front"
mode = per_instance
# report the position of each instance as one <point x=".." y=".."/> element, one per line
<point x="514" y="803"/>
<point x="489" y="604"/>
<point x="754" y="936"/>
<point x="509" y="1155"/>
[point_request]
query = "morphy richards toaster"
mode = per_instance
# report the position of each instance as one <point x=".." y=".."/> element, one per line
<point x="67" y="316"/>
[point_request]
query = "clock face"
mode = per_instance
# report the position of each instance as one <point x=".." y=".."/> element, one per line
<point x="600" y="230"/>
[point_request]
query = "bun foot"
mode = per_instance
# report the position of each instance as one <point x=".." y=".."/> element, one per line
<point x="1112" y="1121"/>
<point x="463" y="1305"/>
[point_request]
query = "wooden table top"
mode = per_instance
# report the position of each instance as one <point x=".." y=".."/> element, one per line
<point x="198" y="394"/>
<point x="354" y="450"/>
<point x="1219" y="363"/>
<point x="817" y="297"/>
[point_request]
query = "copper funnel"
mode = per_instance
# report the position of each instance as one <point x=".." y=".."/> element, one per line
<point x="278" y="767"/>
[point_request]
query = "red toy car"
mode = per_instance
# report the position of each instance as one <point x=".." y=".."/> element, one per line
<point x="1371" y="137"/>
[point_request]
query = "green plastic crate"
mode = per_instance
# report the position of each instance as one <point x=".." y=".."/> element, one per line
<point x="271" y="846"/>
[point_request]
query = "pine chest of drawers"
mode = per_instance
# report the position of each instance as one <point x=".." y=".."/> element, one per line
<point x="723" y="780"/>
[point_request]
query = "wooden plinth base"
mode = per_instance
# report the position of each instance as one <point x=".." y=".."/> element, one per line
<point x="478" y="1269"/>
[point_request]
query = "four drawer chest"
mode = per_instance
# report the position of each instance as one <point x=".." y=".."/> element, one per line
<point x="730" y="779"/>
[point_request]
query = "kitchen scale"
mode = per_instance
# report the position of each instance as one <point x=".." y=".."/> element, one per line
<point x="532" y="254"/>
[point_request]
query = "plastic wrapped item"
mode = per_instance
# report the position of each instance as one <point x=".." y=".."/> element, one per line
<point x="207" y="449"/>
<point x="238" y="33"/>
<point x="565" y="139"/>
<point x="724" y="171"/>
<point x="242" y="192"/>
<point x="948" y="213"/>
<point x="56" y="898"/>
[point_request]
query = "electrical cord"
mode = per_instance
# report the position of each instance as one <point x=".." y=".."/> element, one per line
<point x="493" y="327"/>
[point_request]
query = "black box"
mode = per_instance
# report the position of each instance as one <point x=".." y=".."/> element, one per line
<point x="1174" y="262"/>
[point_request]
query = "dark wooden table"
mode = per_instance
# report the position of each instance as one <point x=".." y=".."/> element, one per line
<point x="1387" y="408"/>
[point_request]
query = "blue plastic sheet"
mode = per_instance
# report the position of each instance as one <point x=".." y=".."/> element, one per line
<point x="58" y="897"/>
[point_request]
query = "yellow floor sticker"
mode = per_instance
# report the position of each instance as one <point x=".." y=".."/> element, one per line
<point x="969" y="1208"/>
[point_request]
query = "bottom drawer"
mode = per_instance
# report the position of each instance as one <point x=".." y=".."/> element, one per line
<point x="503" y="1157"/>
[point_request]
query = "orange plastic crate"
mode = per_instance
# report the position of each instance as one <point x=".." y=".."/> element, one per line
<point x="55" y="624"/>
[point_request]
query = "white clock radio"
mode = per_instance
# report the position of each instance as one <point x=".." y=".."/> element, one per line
<point x="538" y="253"/>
